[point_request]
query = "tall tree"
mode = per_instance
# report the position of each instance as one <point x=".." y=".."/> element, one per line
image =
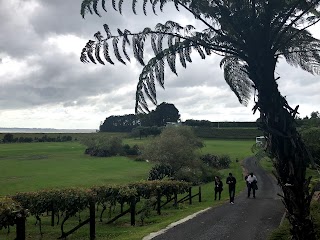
<point x="251" y="35"/>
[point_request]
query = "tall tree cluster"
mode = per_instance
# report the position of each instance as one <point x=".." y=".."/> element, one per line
<point x="164" y="113"/>
<point x="251" y="35"/>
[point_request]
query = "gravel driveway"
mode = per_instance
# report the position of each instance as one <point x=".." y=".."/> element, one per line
<point x="248" y="218"/>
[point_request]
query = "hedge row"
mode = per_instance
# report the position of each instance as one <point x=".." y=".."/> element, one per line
<point x="10" y="210"/>
<point x="228" y="133"/>
<point x="71" y="201"/>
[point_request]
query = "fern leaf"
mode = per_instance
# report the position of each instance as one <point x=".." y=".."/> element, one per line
<point x="95" y="7"/>
<point x="124" y="49"/>
<point x="103" y="3"/>
<point x="161" y="71"/>
<point x="83" y="56"/>
<point x="90" y="55"/>
<point x="107" y="30"/>
<point x="171" y="59"/>
<point x="202" y="55"/>
<point x="98" y="36"/>
<point x="116" y="50"/>
<point x="97" y="54"/>
<point x="176" y="4"/>
<point x="114" y="5"/>
<point x="120" y="6"/>
<point x="154" y="44"/>
<point x="154" y="3"/>
<point x="144" y="7"/>
<point x="162" y="3"/>
<point x="134" y="6"/>
<point x="106" y="52"/>
<point x="187" y="53"/>
<point x="120" y="32"/>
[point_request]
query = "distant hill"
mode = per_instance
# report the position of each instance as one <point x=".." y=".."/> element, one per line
<point x="45" y="130"/>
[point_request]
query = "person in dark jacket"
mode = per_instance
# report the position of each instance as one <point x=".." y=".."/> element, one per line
<point x="231" y="181"/>
<point x="218" y="187"/>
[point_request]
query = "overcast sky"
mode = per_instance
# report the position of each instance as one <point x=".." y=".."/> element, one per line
<point x="43" y="84"/>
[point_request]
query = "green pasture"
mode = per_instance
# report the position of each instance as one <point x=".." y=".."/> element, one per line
<point x="34" y="166"/>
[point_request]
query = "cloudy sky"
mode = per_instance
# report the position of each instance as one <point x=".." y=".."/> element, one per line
<point x="43" y="84"/>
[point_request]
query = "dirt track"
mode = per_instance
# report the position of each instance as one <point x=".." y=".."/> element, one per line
<point x="249" y="219"/>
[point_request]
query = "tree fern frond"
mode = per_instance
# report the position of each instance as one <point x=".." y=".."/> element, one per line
<point x="187" y="53"/>
<point x="171" y="60"/>
<point x="114" y="5"/>
<point x="83" y="56"/>
<point x="162" y="3"/>
<point x="120" y="6"/>
<point x="237" y="78"/>
<point x="98" y="36"/>
<point x="107" y="30"/>
<point x="90" y="55"/>
<point x="134" y="5"/>
<point x="103" y="4"/>
<point x="176" y="4"/>
<point x="198" y="48"/>
<point x="124" y="42"/>
<point x="97" y="53"/>
<point x="148" y="93"/>
<point x="85" y="7"/>
<point x="154" y="44"/>
<point x="95" y="7"/>
<point x="154" y="3"/>
<point x="115" y="41"/>
<point x="144" y="7"/>
<point x="137" y="50"/>
<point x="303" y="51"/>
<point x="106" y="52"/>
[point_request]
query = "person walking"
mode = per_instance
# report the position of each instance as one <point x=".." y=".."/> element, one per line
<point x="252" y="184"/>
<point x="218" y="187"/>
<point x="231" y="181"/>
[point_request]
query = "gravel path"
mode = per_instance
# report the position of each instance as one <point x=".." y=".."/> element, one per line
<point x="248" y="218"/>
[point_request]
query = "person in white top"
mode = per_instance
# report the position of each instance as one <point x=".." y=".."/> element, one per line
<point x="252" y="184"/>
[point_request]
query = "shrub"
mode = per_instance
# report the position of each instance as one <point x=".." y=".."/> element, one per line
<point x="160" y="171"/>
<point x="133" y="151"/>
<point x="219" y="162"/>
<point x="103" y="146"/>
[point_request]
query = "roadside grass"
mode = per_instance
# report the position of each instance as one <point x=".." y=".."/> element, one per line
<point x="34" y="166"/>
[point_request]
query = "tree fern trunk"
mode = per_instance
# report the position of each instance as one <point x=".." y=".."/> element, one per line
<point x="288" y="152"/>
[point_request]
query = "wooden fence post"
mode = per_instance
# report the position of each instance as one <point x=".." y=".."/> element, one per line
<point x="21" y="228"/>
<point x="200" y="194"/>
<point x="158" y="202"/>
<point x="175" y="199"/>
<point x="133" y="211"/>
<point x="92" y="220"/>
<point x="190" y="196"/>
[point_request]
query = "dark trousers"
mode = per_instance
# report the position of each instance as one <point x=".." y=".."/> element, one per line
<point x="251" y="186"/>
<point x="217" y="191"/>
<point x="232" y="191"/>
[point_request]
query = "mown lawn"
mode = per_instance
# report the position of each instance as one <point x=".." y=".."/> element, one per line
<point x="34" y="166"/>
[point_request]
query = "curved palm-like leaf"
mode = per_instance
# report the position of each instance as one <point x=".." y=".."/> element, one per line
<point x="303" y="51"/>
<point x="237" y="78"/>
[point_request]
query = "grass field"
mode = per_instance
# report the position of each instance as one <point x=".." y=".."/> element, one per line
<point x="34" y="166"/>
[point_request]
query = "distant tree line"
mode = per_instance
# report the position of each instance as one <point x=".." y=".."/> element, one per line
<point x="206" y="123"/>
<point x="164" y="113"/>
<point x="9" y="138"/>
